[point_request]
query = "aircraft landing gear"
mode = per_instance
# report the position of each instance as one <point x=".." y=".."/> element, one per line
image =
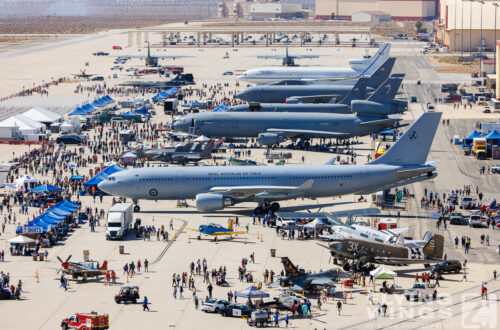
<point x="274" y="207"/>
<point x="137" y="208"/>
<point x="259" y="211"/>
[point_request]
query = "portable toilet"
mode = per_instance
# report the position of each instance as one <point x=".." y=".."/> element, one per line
<point x="456" y="139"/>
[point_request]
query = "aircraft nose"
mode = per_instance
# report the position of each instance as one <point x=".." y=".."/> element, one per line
<point x="104" y="186"/>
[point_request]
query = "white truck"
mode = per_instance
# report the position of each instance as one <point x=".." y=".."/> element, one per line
<point x="119" y="221"/>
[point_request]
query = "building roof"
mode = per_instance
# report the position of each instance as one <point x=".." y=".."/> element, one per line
<point x="42" y="115"/>
<point x="21" y="121"/>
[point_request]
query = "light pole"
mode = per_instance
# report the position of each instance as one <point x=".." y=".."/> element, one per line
<point x="462" y="34"/>
<point x="470" y="34"/>
<point x="455" y="28"/>
<point x="481" y="32"/>
<point x="495" y="38"/>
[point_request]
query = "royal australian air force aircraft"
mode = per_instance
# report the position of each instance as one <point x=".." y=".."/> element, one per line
<point x="364" y="251"/>
<point x="358" y="68"/>
<point x="216" y="187"/>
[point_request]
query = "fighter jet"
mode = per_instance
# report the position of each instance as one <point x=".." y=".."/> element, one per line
<point x="314" y="91"/>
<point x="83" y="74"/>
<point x="381" y="102"/>
<point x="150" y="60"/>
<point x="199" y="153"/>
<point x="364" y="251"/>
<point x="269" y="75"/>
<point x="299" y="280"/>
<point x="287" y="60"/>
<point x="217" y="187"/>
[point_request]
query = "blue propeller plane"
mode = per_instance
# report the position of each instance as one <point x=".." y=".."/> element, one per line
<point x="214" y="229"/>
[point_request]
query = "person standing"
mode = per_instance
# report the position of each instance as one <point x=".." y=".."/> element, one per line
<point x="370" y="297"/>
<point x="145" y="303"/>
<point x="384" y="308"/>
<point x="339" y="307"/>
<point x="181" y="291"/>
<point x="276" y="320"/>
<point x="146" y="263"/>
<point x="495" y="274"/>
<point x="210" y="288"/>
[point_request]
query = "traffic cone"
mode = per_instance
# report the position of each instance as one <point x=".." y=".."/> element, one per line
<point x="37" y="277"/>
<point x="261" y="238"/>
<point x="153" y="219"/>
<point x="245" y="240"/>
<point x="351" y="293"/>
<point x="127" y="277"/>
<point x="189" y="239"/>
<point x="216" y="240"/>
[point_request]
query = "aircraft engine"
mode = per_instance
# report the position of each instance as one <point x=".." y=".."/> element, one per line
<point x="269" y="139"/>
<point x="212" y="202"/>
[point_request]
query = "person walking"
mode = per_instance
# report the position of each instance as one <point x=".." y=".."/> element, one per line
<point x="384" y="308"/>
<point x="495" y="274"/>
<point x="146" y="263"/>
<point x="145" y="303"/>
<point x="210" y="288"/>
<point x="379" y="309"/>
<point x="370" y="297"/>
<point x="287" y="320"/>
<point x="339" y="307"/>
<point x="181" y="291"/>
<point x="276" y="320"/>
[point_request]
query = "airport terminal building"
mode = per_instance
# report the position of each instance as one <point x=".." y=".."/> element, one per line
<point x="399" y="10"/>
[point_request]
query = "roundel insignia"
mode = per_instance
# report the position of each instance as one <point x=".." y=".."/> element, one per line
<point x="153" y="192"/>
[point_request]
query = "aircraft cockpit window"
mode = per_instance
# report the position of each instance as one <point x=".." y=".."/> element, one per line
<point x="112" y="179"/>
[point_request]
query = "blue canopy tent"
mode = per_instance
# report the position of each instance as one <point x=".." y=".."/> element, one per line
<point x="493" y="137"/>
<point x="102" y="175"/>
<point x="69" y="204"/>
<point x="60" y="212"/>
<point x="221" y="108"/>
<point x="472" y="135"/>
<point x="46" y="189"/>
<point x="76" y="178"/>
<point x="251" y="292"/>
<point x="130" y="114"/>
<point x="77" y="112"/>
<point x="143" y="111"/>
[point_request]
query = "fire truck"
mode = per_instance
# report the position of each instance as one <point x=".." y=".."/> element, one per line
<point x="86" y="321"/>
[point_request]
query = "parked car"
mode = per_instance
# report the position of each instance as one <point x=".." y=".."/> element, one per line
<point x="468" y="203"/>
<point x="421" y="291"/>
<point x="448" y="266"/>
<point x="69" y="139"/>
<point x="127" y="294"/>
<point x="475" y="220"/>
<point x="495" y="168"/>
<point x="117" y="67"/>
<point x="235" y="310"/>
<point x="101" y="54"/>
<point x="4" y="294"/>
<point x="486" y="109"/>
<point x="413" y="99"/>
<point x="228" y="73"/>
<point x="213" y="305"/>
<point x="456" y="218"/>
<point x="431" y="108"/>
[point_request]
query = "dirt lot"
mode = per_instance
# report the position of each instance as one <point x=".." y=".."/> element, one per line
<point x="75" y="25"/>
<point x="450" y="65"/>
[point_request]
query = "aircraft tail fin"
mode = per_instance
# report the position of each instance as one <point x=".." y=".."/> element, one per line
<point x="290" y="268"/>
<point x="427" y="236"/>
<point x="387" y="90"/>
<point x="207" y="151"/>
<point x="104" y="265"/>
<point x="413" y="147"/>
<point x="377" y="60"/>
<point x="434" y="248"/>
<point x="382" y="73"/>
<point x="358" y="92"/>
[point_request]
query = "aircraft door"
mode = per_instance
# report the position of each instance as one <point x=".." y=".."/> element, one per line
<point x="180" y="178"/>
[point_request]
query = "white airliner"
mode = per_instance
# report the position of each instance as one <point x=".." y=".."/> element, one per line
<point x="357" y="69"/>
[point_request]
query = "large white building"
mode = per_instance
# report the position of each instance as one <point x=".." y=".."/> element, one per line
<point x="404" y="10"/>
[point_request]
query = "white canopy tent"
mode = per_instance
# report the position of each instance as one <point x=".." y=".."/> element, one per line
<point x="382" y="269"/>
<point x="21" y="240"/>
<point x="25" y="180"/>
<point x="25" y="125"/>
<point x="43" y="115"/>
<point x="67" y="126"/>
<point x="202" y="138"/>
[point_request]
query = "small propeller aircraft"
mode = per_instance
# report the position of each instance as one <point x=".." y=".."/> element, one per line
<point x="84" y="270"/>
<point x="214" y="229"/>
<point x="83" y="74"/>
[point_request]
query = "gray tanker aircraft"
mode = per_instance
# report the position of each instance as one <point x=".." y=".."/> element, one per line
<point x="313" y="91"/>
<point x="216" y="187"/>
<point x="381" y="102"/>
<point x="272" y="128"/>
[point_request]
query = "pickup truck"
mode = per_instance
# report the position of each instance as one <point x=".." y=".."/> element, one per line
<point x="421" y="291"/>
<point x="495" y="168"/>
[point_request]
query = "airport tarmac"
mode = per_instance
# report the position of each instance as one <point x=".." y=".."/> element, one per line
<point x="45" y="304"/>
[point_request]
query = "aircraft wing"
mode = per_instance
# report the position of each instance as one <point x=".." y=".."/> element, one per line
<point x="388" y="121"/>
<point x="395" y="231"/>
<point x="128" y="57"/>
<point x="292" y="132"/>
<point x="299" y="286"/>
<point x="246" y="191"/>
<point x="404" y="261"/>
<point x="279" y="57"/>
<point x="314" y="98"/>
<point x="191" y="229"/>
<point x="323" y="281"/>
<point x="332" y="237"/>
<point x="222" y="233"/>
